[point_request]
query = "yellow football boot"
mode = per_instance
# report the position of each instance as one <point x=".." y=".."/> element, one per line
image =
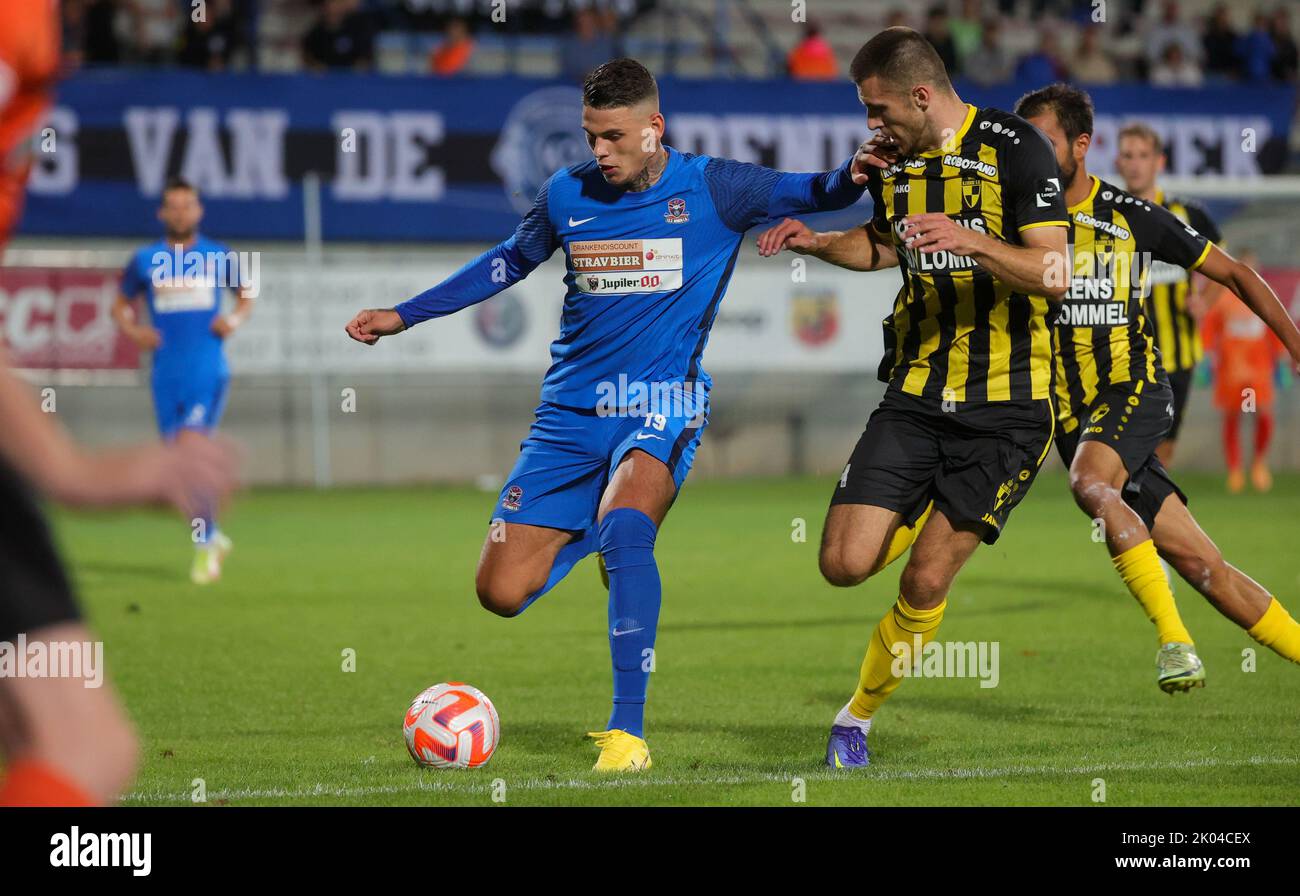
<point x="620" y="751"/>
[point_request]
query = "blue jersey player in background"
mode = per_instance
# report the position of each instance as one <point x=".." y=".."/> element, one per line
<point x="181" y="279"/>
<point x="650" y="237"/>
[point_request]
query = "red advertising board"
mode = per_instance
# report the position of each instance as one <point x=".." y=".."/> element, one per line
<point x="61" y="319"/>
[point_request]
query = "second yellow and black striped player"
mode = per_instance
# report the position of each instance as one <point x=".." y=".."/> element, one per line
<point x="956" y="332"/>
<point x="1169" y="305"/>
<point x="1110" y="383"/>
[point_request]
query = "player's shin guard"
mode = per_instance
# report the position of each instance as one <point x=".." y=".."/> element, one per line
<point x="565" y="560"/>
<point x="627" y="541"/>
<point x="1140" y="569"/>
<point x="897" y="631"/>
<point x="1277" y="631"/>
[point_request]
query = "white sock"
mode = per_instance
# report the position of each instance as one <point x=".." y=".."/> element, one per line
<point x="849" y="720"/>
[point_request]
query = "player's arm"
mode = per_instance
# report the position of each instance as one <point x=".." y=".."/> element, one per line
<point x="1034" y="199"/>
<point x="1201" y="295"/>
<point x="225" y="324"/>
<point x="502" y="266"/>
<point x="1037" y="267"/>
<point x="130" y="287"/>
<point x="1252" y="289"/>
<point x="862" y="248"/>
<point x="186" y="473"/>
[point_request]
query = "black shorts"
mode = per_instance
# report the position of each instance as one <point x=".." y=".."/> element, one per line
<point x="1133" y="418"/>
<point x="1181" y="382"/>
<point x="34" y="590"/>
<point x="976" y="461"/>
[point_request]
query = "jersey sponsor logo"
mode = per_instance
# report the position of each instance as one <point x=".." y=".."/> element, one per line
<point x="987" y="169"/>
<point x="677" y="213"/>
<point x="938" y="262"/>
<point x="626" y="266"/>
<point x="1085" y="313"/>
<point x="1087" y="220"/>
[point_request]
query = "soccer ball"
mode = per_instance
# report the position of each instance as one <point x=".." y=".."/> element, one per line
<point x="452" y="725"/>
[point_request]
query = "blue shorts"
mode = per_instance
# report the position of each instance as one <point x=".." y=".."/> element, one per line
<point x="189" y="404"/>
<point x="569" y="455"/>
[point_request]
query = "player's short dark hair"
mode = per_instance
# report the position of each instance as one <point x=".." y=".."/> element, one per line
<point x="618" y="84"/>
<point x="1071" y="106"/>
<point x="1143" y="131"/>
<point x="175" y="182"/>
<point x="901" y="57"/>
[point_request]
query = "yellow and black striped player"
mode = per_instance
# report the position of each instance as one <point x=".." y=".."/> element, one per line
<point x="1140" y="160"/>
<point x="968" y="206"/>
<point x="1115" y="401"/>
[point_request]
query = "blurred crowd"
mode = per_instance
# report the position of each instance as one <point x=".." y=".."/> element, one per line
<point x="988" y="41"/>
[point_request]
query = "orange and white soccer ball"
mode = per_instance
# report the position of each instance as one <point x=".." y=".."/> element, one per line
<point x="452" y="725"/>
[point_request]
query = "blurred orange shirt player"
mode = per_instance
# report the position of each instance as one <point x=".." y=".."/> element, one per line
<point x="1245" y="354"/>
<point x="452" y="55"/>
<point x="29" y="67"/>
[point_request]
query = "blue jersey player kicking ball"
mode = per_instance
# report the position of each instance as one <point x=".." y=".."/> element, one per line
<point x="182" y="278"/>
<point x="650" y="237"/>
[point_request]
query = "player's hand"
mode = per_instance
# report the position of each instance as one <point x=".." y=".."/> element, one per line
<point x="145" y="338"/>
<point x="223" y="326"/>
<point x="368" y="326"/>
<point x="873" y="156"/>
<point x="789" y="234"/>
<point x="936" y="232"/>
<point x="194" y="473"/>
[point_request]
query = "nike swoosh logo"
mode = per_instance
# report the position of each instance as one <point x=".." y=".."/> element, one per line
<point x="648" y="435"/>
<point x="573" y="223"/>
<point x="618" y="633"/>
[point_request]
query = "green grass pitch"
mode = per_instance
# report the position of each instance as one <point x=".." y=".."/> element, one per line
<point x="241" y="684"/>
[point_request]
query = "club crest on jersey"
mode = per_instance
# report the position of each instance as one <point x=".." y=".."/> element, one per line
<point x="514" y="495"/>
<point x="677" y="213"/>
<point x="972" y="191"/>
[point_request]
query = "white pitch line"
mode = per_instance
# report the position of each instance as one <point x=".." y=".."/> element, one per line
<point x="482" y="785"/>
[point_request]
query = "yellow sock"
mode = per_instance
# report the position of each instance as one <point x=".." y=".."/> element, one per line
<point x="876" y="680"/>
<point x="902" y="540"/>
<point x="1141" y="571"/>
<point x="1277" y="631"/>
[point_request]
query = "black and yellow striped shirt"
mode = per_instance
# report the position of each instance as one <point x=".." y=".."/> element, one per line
<point x="1178" y="336"/>
<point x="957" y="333"/>
<point x="1103" y="335"/>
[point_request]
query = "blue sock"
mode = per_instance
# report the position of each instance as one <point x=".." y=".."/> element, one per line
<point x="568" y="557"/>
<point x="627" y="542"/>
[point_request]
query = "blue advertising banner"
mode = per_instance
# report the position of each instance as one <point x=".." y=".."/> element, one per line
<point x="416" y="158"/>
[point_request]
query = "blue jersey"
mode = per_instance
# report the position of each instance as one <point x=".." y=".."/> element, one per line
<point x="645" y="270"/>
<point x="183" y="289"/>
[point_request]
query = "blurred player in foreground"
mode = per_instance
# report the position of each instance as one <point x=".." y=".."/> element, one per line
<point x="1116" y="404"/>
<point x="1246" y="357"/>
<point x="650" y="237"/>
<point x="968" y="206"/>
<point x="182" y="278"/>
<point x="1175" y="298"/>
<point x="63" y="736"/>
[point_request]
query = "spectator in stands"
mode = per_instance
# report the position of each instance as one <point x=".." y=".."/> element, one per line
<point x="1256" y="50"/>
<point x="937" y="33"/>
<point x="341" y="38"/>
<point x="1286" y="60"/>
<point x="452" y="55"/>
<point x="210" y="42"/>
<point x="1043" y="66"/>
<point x="592" y="43"/>
<point x="812" y="59"/>
<point x="101" y="46"/>
<point x="967" y="28"/>
<point x="1219" y="44"/>
<point x="1172" y="30"/>
<point x="157" y="26"/>
<point x="1175" y="70"/>
<point x="1090" y="65"/>
<point x="988" y="63"/>
<point x="73" y="27"/>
